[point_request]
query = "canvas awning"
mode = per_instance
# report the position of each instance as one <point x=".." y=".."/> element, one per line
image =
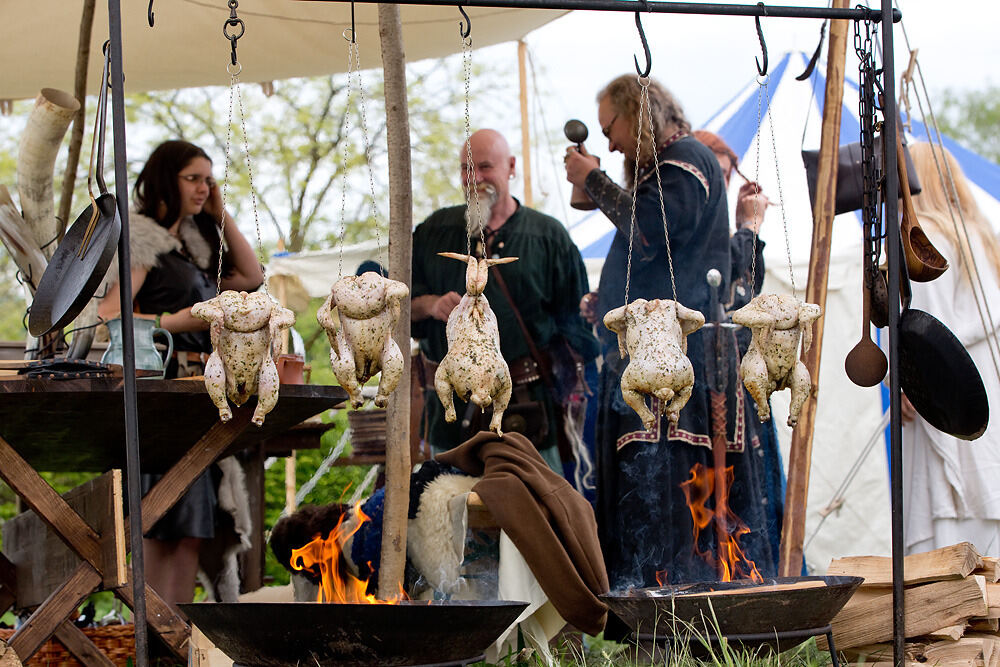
<point x="186" y="47"/>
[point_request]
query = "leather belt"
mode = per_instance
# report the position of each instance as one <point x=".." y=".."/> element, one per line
<point x="522" y="371"/>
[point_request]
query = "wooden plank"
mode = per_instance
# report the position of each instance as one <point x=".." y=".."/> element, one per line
<point x="165" y="621"/>
<point x="41" y="559"/>
<point x="48" y="504"/>
<point x="951" y="562"/>
<point x="80" y="646"/>
<point x="931" y="606"/>
<point x="54" y="610"/>
<point x="182" y="474"/>
<point x="793" y="529"/>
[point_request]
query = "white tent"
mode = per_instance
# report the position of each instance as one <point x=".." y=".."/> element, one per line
<point x="185" y="47"/>
<point x="848" y="417"/>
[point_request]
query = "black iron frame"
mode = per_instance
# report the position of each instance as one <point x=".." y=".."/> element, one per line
<point x="886" y="17"/>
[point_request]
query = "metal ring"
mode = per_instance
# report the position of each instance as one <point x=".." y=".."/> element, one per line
<point x="233" y="22"/>
<point x="237" y="65"/>
<point x="467" y="41"/>
<point x="348" y="34"/>
<point x="643" y="80"/>
<point x="763" y="80"/>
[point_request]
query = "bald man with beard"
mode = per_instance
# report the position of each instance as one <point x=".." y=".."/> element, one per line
<point x="547" y="282"/>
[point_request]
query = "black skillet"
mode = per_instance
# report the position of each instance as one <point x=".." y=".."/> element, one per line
<point x="935" y="370"/>
<point x="85" y="253"/>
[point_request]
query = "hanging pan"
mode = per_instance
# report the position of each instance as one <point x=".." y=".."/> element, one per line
<point x="935" y="370"/>
<point x="85" y="253"/>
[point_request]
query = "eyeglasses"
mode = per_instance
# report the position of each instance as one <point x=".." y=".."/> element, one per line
<point x="198" y="179"/>
<point x="606" y="131"/>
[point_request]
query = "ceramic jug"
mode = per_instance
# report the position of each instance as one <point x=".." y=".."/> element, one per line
<point x="146" y="355"/>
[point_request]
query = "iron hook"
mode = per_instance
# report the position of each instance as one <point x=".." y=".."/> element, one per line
<point x="149" y="14"/>
<point x="464" y="29"/>
<point x="645" y="48"/>
<point x="761" y="69"/>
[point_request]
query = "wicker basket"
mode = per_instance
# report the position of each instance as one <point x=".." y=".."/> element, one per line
<point x="115" y="641"/>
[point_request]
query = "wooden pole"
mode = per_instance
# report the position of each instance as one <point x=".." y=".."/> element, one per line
<point x="397" y="440"/>
<point x="793" y="527"/>
<point x="76" y="137"/>
<point x="522" y="52"/>
<point x="290" y="489"/>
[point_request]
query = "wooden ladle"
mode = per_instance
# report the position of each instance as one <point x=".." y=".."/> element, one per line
<point x="866" y="364"/>
<point x="923" y="260"/>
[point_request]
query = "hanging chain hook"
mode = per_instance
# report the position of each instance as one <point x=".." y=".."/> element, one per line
<point x="464" y="29"/>
<point x="645" y="48"/>
<point x="149" y="14"/>
<point x="761" y="69"/>
<point x="234" y="21"/>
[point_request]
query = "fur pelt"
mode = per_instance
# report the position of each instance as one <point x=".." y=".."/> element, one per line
<point x="148" y="240"/>
<point x="435" y="539"/>
<point x="217" y="559"/>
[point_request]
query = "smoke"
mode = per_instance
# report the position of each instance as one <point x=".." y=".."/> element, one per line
<point x="478" y="207"/>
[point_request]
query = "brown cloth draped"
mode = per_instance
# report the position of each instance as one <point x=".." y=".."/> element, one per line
<point x="550" y="523"/>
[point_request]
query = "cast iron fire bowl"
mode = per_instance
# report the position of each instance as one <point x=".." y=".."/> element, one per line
<point x="285" y="634"/>
<point x="745" y="612"/>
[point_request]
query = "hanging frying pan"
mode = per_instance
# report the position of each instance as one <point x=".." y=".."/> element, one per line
<point x="85" y="253"/>
<point x="935" y="370"/>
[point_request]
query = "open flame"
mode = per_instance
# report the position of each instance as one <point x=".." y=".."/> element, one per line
<point x="337" y="583"/>
<point x="731" y="563"/>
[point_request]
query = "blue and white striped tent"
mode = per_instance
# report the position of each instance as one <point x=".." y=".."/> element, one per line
<point x="848" y="417"/>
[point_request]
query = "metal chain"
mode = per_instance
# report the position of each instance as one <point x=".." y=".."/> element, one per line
<point x="871" y="172"/>
<point x="253" y="195"/>
<point x="234" y="71"/>
<point x="781" y="198"/>
<point x="344" y="158"/>
<point x="471" y="191"/>
<point x="644" y="82"/>
<point x="368" y="150"/>
<point x="756" y="179"/>
<point x="635" y="191"/>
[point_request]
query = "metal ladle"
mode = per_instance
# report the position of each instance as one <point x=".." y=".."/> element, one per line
<point x="866" y="364"/>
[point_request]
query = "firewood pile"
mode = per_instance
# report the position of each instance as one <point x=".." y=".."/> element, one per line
<point x="952" y="609"/>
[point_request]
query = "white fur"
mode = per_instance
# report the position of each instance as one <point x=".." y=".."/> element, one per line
<point x="435" y="547"/>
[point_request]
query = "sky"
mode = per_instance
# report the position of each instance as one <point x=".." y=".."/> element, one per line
<point x="705" y="60"/>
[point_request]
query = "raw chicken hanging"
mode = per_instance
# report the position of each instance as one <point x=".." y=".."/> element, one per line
<point x="474" y="368"/>
<point x="360" y="332"/>
<point x="655" y="335"/>
<point x="777" y="323"/>
<point x="244" y="328"/>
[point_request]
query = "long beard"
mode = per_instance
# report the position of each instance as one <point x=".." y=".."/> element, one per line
<point x="478" y="214"/>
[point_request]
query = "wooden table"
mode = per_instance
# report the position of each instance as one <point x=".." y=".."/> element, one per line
<point x="78" y="425"/>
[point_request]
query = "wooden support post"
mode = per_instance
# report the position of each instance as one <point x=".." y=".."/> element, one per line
<point x="182" y="475"/>
<point x="165" y="621"/>
<point x="522" y="52"/>
<point x="397" y="445"/>
<point x="62" y="602"/>
<point x="81" y="647"/>
<point x="793" y="528"/>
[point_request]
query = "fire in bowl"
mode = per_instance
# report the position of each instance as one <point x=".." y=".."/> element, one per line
<point x="276" y="634"/>
<point x="742" y="610"/>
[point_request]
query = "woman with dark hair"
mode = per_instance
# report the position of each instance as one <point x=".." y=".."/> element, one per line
<point x="175" y="243"/>
<point x="647" y="528"/>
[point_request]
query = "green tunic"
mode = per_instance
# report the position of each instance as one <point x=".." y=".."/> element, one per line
<point x="547" y="282"/>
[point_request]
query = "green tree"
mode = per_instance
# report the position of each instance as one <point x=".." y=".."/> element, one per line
<point x="973" y="118"/>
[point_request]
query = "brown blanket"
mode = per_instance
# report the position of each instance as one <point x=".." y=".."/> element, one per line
<point x="550" y="523"/>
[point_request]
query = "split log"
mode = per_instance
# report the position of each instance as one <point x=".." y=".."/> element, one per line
<point x="931" y="606"/>
<point x="990" y="569"/>
<point x="951" y="632"/>
<point x="36" y="159"/>
<point x="8" y="657"/>
<point x="952" y="562"/>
